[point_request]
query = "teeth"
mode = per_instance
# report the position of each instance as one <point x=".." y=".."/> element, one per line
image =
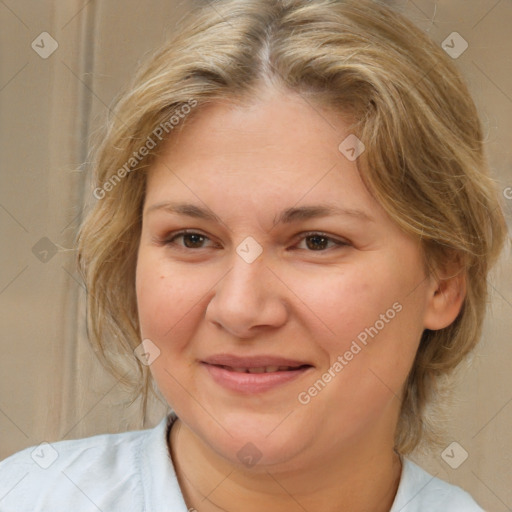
<point x="261" y="369"/>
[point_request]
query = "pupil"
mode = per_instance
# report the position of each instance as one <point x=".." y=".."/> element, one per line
<point x="316" y="237"/>
<point x="190" y="236"/>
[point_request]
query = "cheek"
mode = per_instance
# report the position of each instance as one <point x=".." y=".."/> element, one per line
<point x="345" y="303"/>
<point x="370" y="318"/>
<point x="168" y="303"/>
<point x="164" y="297"/>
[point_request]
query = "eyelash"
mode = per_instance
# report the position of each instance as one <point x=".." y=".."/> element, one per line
<point x="170" y="241"/>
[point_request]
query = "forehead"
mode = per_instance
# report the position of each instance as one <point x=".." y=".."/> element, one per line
<point x="278" y="144"/>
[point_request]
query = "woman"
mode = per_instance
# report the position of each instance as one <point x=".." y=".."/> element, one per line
<point x="294" y="226"/>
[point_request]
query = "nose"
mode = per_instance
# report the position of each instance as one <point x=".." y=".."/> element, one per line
<point x="248" y="299"/>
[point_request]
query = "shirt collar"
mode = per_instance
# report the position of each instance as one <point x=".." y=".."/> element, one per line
<point x="159" y="481"/>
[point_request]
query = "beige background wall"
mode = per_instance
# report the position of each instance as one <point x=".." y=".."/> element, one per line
<point x="51" y="386"/>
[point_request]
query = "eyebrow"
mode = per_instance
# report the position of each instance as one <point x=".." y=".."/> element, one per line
<point x="287" y="216"/>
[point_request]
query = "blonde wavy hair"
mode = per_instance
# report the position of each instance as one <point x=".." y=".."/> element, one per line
<point x="424" y="160"/>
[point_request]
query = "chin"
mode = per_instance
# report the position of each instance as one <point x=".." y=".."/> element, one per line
<point x="261" y="454"/>
<point x="254" y="442"/>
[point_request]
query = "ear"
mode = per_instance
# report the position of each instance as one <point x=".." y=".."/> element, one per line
<point x="445" y="298"/>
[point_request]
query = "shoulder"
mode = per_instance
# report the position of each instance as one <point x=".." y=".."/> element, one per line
<point x="419" y="491"/>
<point x="83" y="472"/>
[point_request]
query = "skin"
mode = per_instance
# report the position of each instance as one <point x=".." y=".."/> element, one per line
<point x="198" y="297"/>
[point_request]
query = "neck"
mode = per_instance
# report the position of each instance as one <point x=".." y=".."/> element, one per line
<point x="365" y="479"/>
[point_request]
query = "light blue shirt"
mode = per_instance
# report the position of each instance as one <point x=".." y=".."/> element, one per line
<point x="133" y="472"/>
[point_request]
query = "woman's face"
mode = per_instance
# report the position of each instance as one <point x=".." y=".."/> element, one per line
<point x="331" y="304"/>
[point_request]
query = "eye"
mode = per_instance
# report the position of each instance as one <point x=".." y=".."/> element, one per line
<point x="318" y="241"/>
<point x="191" y="239"/>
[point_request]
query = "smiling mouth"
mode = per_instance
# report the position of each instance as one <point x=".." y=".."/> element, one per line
<point x="263" y="369"/>
<point x="254" y="379"/>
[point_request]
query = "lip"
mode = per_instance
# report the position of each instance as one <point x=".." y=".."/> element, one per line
<point x="252" y="383"/>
